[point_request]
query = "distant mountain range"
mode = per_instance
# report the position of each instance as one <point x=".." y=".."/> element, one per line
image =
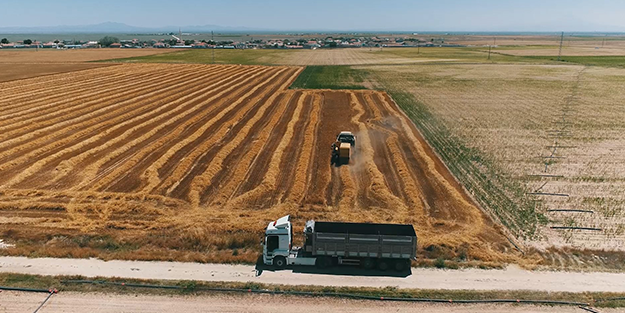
<point x="556" y="25"/>
<point x="117" y="28"/>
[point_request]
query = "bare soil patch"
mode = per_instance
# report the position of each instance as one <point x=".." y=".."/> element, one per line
<point x="72" y="55"/>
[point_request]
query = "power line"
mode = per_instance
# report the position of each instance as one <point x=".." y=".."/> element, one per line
<point x="560" y="51"/>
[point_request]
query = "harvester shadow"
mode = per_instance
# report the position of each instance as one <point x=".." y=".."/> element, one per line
<point x="335" y="270"/>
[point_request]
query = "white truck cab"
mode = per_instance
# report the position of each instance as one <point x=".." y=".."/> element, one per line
<point x="278" y="249"/>
<point x="277" y="243"/>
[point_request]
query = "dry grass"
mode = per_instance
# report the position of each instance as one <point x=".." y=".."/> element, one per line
<point x="190" y="162"/>
<point x="567" y="51"/>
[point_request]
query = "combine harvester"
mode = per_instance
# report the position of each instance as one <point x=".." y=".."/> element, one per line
<point x="342" y="148"/>
<point x="331" y="243"/>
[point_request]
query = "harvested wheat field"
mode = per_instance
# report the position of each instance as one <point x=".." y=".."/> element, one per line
<point x="189" y="162"/>
<point x="17" y="71"/>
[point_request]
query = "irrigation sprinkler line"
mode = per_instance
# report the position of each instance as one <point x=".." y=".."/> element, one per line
<point x="576" y="228"/>
<point x="548" y="194"/>
<point x="28" y="289"/>
<point x="328" y="294"/>
<point x="571" y="210"/>
<point x="610" y="299"/>
<point x="50" y="292"/>
<point x="589" y="309"/>
<point x="546" y="175"/>
<point x="44" y="301"/>
<point x="541" y="186"/>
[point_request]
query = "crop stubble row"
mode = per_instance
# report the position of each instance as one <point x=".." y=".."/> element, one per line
<point x="221" y="149"/>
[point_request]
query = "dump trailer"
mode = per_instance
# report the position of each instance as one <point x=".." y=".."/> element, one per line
<point x="335" y="243"/>
<point x="341" y="152"/>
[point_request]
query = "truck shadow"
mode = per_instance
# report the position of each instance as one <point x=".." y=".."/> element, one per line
<point x="342" y="270"/>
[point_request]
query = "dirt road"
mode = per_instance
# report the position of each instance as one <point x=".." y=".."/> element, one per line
<point x="475" y="279"/>
<point x="99" y="303"/>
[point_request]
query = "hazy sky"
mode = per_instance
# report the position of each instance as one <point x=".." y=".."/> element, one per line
<point x="415" y="15"/>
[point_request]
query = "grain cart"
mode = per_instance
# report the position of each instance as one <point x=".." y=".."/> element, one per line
<point x="342" y="147"/>
<point x="334" y="243"/>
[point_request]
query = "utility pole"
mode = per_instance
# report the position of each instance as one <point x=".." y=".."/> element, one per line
<point x="214" y="45"/>
<point x="418" y="46"/>
<point x="489" y="51"/>
<point x="560" y="51"/>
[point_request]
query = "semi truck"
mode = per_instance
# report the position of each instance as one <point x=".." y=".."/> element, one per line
<point x="326" y="244"/>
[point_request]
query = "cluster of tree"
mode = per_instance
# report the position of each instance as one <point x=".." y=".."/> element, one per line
<point x="6" y="41"/>
<point x="107" y="41"/>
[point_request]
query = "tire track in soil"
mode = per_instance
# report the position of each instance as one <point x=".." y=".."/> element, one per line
<point x="252" y="166"/>
<point x="381" y="158"/>
<point x="406" y="181"/>
<point x="108" y="162"/>
<point x="177" y="184"/>
<point x="378" y="187"/>
<point x="46" y="141"/>
<point x="200" y="182"/>
<point x="84" y="137"/>
<point x="260" y="165"/>
<point x="335" y="108"/>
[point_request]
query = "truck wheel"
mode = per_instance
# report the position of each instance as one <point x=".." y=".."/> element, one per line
<point x="401" y="265"/>
<point x="323" y="262"/>
<point x="368" y="263"/>
<point x="279" y="262"/>
<point x="382" y="265"/>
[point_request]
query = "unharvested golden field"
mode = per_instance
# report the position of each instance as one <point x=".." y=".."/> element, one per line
<point x="556" y="130"/>
<point x="189" y="162"/>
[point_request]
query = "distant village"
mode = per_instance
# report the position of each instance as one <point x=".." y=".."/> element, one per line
<point x="177" y="42"/>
